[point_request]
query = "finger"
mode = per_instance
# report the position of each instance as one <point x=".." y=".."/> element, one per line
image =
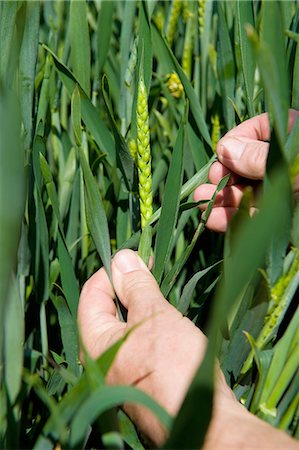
<point x="243" y="149"/>
<point x="258" y="127"/>
<point x="244" y="156"/>
<point x="97" y="315"/>
<point x="229" y="196"/>
<point x="220" y="218"/>
<point x="218" y="171"/>
<point x="136" y="287"/>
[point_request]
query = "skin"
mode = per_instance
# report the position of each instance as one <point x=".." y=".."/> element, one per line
<point x="242" y="152"/>
<point x="156" y="357"/>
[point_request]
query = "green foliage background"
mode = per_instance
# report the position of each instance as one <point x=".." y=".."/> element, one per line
<point x="69" y="73"/>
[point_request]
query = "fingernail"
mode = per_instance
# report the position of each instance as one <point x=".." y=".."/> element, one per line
<point x="231" y="148"/>
<point x="127" y="260"/>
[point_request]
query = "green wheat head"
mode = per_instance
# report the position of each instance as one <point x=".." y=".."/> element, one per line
<point x="144" y="155"/>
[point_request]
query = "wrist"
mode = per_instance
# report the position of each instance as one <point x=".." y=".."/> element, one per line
<point x="233" y="427"/>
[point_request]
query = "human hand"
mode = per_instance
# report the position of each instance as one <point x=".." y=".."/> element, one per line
<point x="242" y="152"/>
<point x="160" y="356"/>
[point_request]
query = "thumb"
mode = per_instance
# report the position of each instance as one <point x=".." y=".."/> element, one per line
<point x="244" y="156"/>
<point x="135" y="286"/>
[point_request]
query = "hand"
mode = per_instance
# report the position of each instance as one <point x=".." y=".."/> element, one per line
<point x="242" y="152"/>
<point x="161" y="356"/>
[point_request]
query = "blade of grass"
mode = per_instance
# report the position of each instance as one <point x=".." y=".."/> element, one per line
<point x="107" y="397"/>
<point x="68" y="334"/>
<point x="172" y="275"/>
<point x="245" y="16"/>
<point x="14" y="329"/>
<point x="170" y="206"/>
<point x="68" y="277"/>
<point x="104" y="32"/>
<point x="199" y="178"/>
<point x="90" y="115"/>
<point x="96" y="217"/>
<point x="270" y="54"/>
<point x="8" y="15"/>
<point x="80" y="43"/>
<point x="12" y="189"/>
<point x="184" y="301"/>
<point x="123" y="156"/>
<point x="27" y="63"/>
<point x="226" y="68"/>
<point x="165" y="54"/>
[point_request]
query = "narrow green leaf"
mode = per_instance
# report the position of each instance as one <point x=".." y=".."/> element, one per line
<point x="27" y="63"/>
<point x="270" y="53"/>
<point x="96" y="217"/>
<point x="76" y="115"/>
<point x="165" y="54"/>
<point x="80" y="43"/>
<point x="245" y="16"/>
<point x="295" y="86"/>
<point x="90" y="115"/>
<point x="68" y="277"/>
<point x="107" y="397"/>
<point x="226" y="68"/>
<point x="172" y="275"/>
<point x="199" y="178"/>
<point x="12" y="190"/>
<point x="14" y="328"/>
<point x="68" y="334"/>
<point x="104" y="32"/>
<point x="123" y="156"/>
<point x="170" y="207"/>
<point x="50" y="185"/>
<point x="184" y="300"/>
<point x="8" y="14"/>
<point x="145" y="44"/>
<point x="128" y="431"/>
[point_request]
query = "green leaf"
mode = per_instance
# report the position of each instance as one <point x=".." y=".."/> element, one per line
<point x="295" y="86"/>
<point x="165" y="54"/>
<point x="95" y="213"/>
<point x="172" y="275"/>
<point x="128" y="431"/>
<point x="50" y="185"/>
<point x="107" y="397"/>
<point x="68" y="277"/>
<point x="12" y="192"/>
<point x="145" y="44"/>
<point x="104" y="32"/>
<point x="27" y="63"/>
<point x="199" y="178"/>
<point x="184" y="300"/>
<point x="123" y="156"/>
<point x="68" y="334"/>
<point x="90" y="115"/>
<point x="170" y="207"/>
<point x="270" y="53"/>
<point x="8" y="15"/>
<point x="226" y="68"/>
<point x="80" y="43"/>
<point x="76" y="115"/>
<point x="245" y="16"/>
<point x="14" y="329"/>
